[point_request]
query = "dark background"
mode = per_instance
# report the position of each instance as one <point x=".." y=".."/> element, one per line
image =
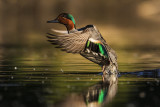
<point x="121" y="22"/>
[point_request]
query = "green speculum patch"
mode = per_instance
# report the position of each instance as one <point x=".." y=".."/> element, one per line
<point x="88" y="44"/>
<point x="102" y="50"/>
<point x="101" y="97"/>
<point x="100" y="47"/>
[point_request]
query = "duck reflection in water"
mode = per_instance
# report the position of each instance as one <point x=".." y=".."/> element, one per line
<point x="103" y="92"/>
<point x="96" y="96"/>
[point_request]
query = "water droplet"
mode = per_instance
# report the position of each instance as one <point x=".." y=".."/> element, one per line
<point x="62" y="70"/>
<point x="42" y="82"/>
<point x="78" y="78"/>
<point x="15" y="68"/>
<point x="12" y="77"/>
<point x="157" y="80"/>
<point x="142" y="94"/>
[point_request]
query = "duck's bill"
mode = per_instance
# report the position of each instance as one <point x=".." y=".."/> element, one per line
<point x="53" y="21"/>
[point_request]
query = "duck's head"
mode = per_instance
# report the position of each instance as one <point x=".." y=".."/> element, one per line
<point x="66" y="19"/>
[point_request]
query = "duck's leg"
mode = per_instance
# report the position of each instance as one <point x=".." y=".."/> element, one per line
<point x="103" y="71"/>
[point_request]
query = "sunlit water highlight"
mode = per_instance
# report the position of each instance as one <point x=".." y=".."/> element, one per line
<point x="45" y="78"/>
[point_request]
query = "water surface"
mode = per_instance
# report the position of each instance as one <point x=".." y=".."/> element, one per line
<point x="48" y="77"/>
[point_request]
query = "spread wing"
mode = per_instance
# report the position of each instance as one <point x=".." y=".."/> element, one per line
<point x="71" y="43"/>
<point x="88" y="42"/>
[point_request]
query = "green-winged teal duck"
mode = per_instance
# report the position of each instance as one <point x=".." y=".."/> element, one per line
<point x="86" y="41"/>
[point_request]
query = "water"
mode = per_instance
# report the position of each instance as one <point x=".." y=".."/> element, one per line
<point x="48" y="77"/>
<point x="34" y="73"/>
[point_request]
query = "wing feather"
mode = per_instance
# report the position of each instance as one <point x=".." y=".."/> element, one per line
<point x="59" y="31"/>
<point x="97" y="51"/>
<point x="71" y="43"/>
